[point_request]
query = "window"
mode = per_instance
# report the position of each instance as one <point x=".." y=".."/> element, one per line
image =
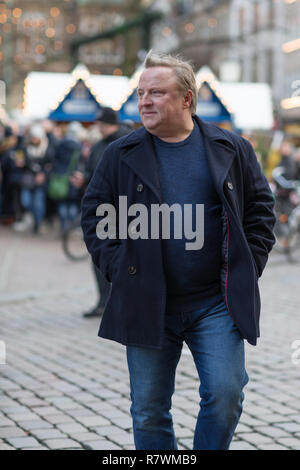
<point x="256" y="19"/>
<point x="271" y="13"/>
<point x="242" y="21"/>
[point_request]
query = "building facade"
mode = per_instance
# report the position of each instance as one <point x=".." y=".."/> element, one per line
<point x="290" y="103"/>
<point x="260" y="39"/>
<point x="37" y="35"/>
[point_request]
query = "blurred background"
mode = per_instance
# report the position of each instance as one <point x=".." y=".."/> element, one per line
<point x="62" y="65"/>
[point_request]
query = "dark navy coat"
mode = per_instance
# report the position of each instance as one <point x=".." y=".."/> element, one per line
<point x="135" y="311"/>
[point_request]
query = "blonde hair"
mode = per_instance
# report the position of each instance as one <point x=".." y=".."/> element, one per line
<point x="183" y="71"/>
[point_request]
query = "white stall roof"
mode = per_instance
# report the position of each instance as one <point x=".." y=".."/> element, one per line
<point x="43" y="90"/>
<point x="250" y="103"/>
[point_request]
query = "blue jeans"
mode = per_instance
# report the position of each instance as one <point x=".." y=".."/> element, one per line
<point x="67" y="211"/>
<point x="217" y="348"/>
<point x="34" y="201"/>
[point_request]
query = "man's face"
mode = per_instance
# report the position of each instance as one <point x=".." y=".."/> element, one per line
<point x="285" y="148"/>
<point x="102" y="128"/>
<point x="106" y="129"/>
<point x="161" y="103"/>
<point x="35" y="141"/>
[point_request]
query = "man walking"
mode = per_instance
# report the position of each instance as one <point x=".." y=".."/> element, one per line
<point x="162" y="293"/>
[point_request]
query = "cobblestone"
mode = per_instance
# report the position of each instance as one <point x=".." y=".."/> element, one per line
<point x="103" y="445"/>
<point x="7" y="432"/>
<point x="64" y="388"/>
<point x="22" y="442"/>
<point x="62" y="444"/>
<point x="42" y="434"/>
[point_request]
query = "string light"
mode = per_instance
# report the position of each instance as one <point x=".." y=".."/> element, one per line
<point x="50" y="32"/>
<point x="117" y="72"/>
<point x="79" y="73"/>
<point x="25" y="96"/>
<point x="40" y="49"/>
<point x="290" y="103"/>
<point x="206" y="76"/>
<point x="189" y="28"/>
<point x="70" y="28"/>
<point x="132" y="86"/>
<point x="54" y="12"/>
<point x="17" y="12"/>
<point x="291" y="46"/>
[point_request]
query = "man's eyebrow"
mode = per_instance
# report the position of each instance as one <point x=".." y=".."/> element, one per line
<point x="158" y="87"/>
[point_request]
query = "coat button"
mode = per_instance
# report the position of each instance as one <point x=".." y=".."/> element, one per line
<point x="132" y="270"/>
<point x="140" y="188"/>
<point x="230" y="185"/>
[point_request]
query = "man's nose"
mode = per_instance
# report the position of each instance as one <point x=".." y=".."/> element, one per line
<point x="145" y="99"/>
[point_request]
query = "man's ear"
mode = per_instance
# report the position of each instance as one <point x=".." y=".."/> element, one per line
<point x="188" y="97"/>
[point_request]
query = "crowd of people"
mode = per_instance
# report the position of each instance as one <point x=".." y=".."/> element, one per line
<point x="44" y="171"/>
<point x="45" y="168"/>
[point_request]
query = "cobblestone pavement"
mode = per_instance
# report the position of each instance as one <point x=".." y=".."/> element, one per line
<point x="64" y="388"/>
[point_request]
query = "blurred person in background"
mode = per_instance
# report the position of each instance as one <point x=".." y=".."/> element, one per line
<point x="252" y="139"/>
<point x="285" y="156"/>
<point x="54" y="136"/>
<point x="297" y="164"/>
<point x="9" y="207"/>
<point x="51" y="132"/>
<point x="39" y="154"/>
<point x="68" y="161"/>
<point x="285" y="177"/>
<point x="110" y="129"/>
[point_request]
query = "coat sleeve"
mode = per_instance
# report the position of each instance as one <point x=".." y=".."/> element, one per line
<point x="99" y="191"/>
<point x="259" y="218"/>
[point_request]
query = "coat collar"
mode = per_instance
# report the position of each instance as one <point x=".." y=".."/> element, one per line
<point x="210" y="131"/>
<point x="139" y="154"/>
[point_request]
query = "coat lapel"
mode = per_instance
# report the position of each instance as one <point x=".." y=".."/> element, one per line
<point x="220" y="152"/>
<point x="140" y="157"/>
